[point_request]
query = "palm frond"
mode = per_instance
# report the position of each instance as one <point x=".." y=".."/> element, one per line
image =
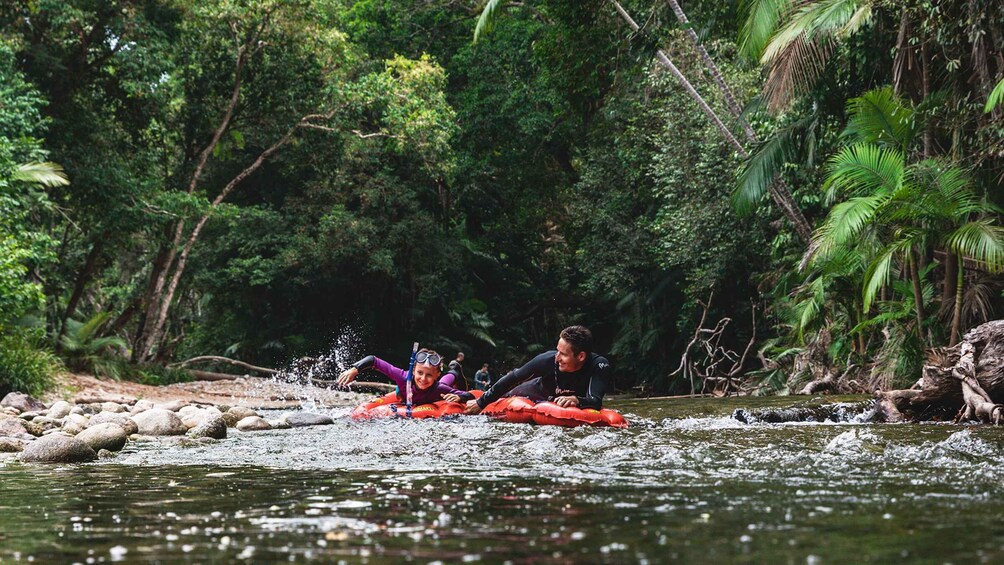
<point x="877" y="274"/>
<point x="864" y="168"/>
<point x="46" y="174"/>
<point x="879" y="116"/>
<point x="798" y="52"/>
<point x="760" y="21"/>
<point x="981" y="240"/>
<point x="845" y="222"/>
<point x="995" y="98"/>
<point x="766" y="163"/>
<point x="489" y="16"/>
<point x="795" y="69"/>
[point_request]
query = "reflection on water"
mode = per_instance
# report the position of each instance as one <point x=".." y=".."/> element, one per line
<point x="685" y="483"/>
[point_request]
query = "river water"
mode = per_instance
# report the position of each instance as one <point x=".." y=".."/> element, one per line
<point x="685" y="483"/>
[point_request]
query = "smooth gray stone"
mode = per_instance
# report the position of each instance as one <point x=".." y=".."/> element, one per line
<point x="108" y="436"/>
<point x="159" y="422"/>
<point x="22" y="402"/>
<point x="212" y="427"/>
<point x="303" y="419"/>
<point x="57" y="448"/>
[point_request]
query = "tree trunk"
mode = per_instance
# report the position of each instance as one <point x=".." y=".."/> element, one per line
<point x="957" y="310"/>
<point x="918" y="294"/>
<point x="82" y="280"/>
<point x="778" y="190"/>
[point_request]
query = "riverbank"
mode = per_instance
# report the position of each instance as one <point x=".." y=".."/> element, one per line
<point x="252" y="392"/>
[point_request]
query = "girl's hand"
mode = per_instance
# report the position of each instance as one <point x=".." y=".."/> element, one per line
<point x="451" y="397"/>
<point x="347" y="376"/>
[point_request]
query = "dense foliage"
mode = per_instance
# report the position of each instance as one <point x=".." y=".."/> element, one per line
<point x="264" y="179"/>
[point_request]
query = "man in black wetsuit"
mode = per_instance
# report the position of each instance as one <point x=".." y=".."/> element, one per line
<point x="570" y="376"/>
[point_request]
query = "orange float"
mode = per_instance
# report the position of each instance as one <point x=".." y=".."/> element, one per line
<point x="515" y="409"/>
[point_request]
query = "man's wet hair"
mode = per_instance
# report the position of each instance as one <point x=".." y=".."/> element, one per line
<point x="579" y="337"/>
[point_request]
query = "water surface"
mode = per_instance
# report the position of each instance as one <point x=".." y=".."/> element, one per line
<point x="686" y="483"/>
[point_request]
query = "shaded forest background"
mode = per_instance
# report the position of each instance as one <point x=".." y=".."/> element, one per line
<point x="263" y="179"/>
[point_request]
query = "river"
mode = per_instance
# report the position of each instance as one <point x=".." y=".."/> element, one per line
<point x="685" y="483"/>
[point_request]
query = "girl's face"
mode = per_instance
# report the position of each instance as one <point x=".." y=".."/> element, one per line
<point x="425" y="375"/>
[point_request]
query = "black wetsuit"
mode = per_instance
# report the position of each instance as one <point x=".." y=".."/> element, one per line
<point x="541" y="380"/>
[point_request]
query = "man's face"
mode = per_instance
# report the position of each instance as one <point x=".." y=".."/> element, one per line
<point x="568" y="361"/>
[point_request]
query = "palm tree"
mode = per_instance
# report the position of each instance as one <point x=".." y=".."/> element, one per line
<point x="46" y="174"/>
<point x="906" y="208"/>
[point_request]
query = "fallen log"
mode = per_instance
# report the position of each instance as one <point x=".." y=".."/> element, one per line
<point x="218" y="359"/>
<point x="964" y="382"/>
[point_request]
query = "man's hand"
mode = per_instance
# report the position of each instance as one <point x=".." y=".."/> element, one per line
<point x="472" y="407"/>
<point x="566" y="401"/>
<point x="347" y="376"/>
<point x="451" y="397"/>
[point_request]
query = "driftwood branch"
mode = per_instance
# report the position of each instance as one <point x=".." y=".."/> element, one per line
<point x="218" y="359"/>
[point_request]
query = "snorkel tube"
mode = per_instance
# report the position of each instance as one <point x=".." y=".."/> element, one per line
<point x="410" y="378"/>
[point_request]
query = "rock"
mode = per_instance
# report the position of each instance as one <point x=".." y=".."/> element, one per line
<point x="141" y="406"/>
<point x="11" y="445"/>
<point x="236" y="414"/>
<point x="73" y="424"/>
<point x="112" y="407"/>
<point x="253" y="424"/>
<point x="212" y="427"/>
<point x="77" y="410"/>
<point x="159" y="422"/>
<point x="59" y="409"/>
<point x="15" y="428"/>
<point x="57" y="448"/>
<point x="22" y="402"/>
<point x="173" y="405"/>
<point x="34" y="428"/>
<point x="126" y="422"/>
<point x="279" y="424"/>
<point x="303" y="419"/>
<point x="10" y="411"/>
<point x="105" y="454"/>
<point x="30" y="415"/>
<point x="193" y="417"/>
<point x="108" y="436"/>
<point x="44" y="424"/>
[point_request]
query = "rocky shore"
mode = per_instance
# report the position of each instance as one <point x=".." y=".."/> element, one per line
<point x="98" y="421"/>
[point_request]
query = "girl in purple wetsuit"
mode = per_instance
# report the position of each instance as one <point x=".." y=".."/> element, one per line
<point x="427" y="386"/>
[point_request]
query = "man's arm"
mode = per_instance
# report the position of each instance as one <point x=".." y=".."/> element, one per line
<point x="534" y="368"/>
<point x="599" y="381"/>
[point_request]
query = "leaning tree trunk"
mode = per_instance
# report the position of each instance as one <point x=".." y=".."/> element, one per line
<point x="779" y="191"/>
<point x="965" y="381"/>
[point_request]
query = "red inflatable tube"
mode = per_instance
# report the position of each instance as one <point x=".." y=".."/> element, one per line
<point x="515" y="409"/>
<point x="550" y="414"/>
<point x="390" y="405"/>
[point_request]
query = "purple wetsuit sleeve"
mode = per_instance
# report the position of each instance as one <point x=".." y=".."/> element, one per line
<point x="399" y="376"/>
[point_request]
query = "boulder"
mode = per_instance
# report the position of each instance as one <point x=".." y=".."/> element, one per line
<point x="212" y="427"/>
<point x="253" y="424"/>
<point x="15" y="428"/>
<point x="236" y="414"/>
<point x="112" y="407"/>
<point x="279" y="424"/>
<point x="159" y="422"/>
<point x="11" y="445"/>
<point x="59" y="409"/>
<point x="303" y="419"/>
<point x="22" y="402"/>
<point x="126" y="422"/>
<point x="141" y="406"/>
<point x="73" y="424"/>
<point x="57" y="448"/>
<point x="108" y="436"/>
<point x="77" y="410"/>
<point x="193" y="417"/>
<point x="173" y="405"/>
